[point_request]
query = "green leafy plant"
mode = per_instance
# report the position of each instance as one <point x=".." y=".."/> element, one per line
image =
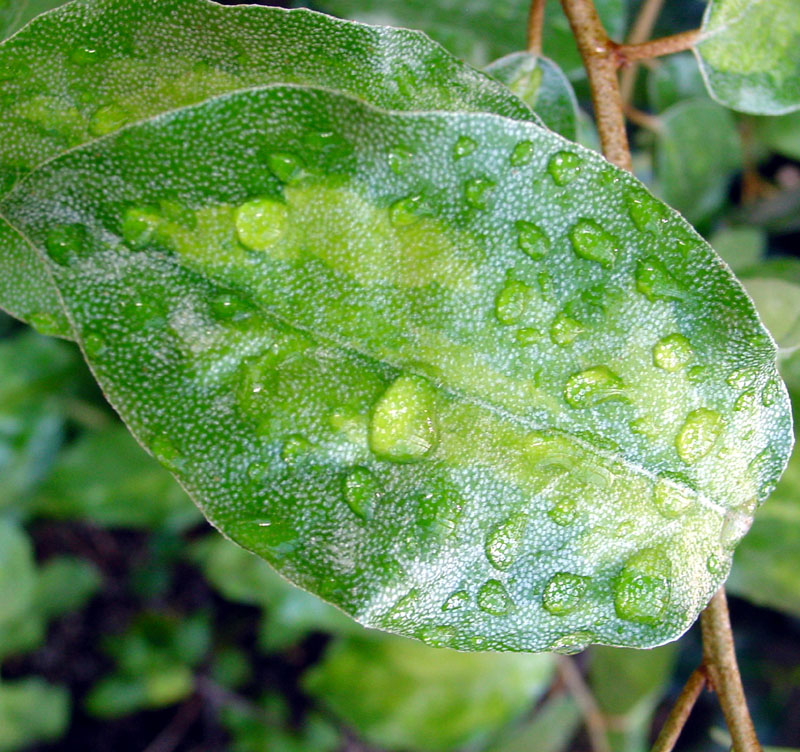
<point x="397" y="333"/>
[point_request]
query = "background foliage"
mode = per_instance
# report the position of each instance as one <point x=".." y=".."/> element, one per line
<point x="126" y="622"/>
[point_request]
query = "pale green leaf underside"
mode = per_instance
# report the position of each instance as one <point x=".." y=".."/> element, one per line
<point x="749" y="54"/>
<point x="542" y="85"/>
<point x="492" y="395"/>
<point x="95" y="66"/>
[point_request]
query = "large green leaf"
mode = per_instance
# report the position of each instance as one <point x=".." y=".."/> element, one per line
<point x="749" y="54"/>
<point x="542" y="85"/>
<point x="505" y="400"/>
<point x="80" y="73"/>
<point x="482" y="30"/>
<point x="402" y="695"/>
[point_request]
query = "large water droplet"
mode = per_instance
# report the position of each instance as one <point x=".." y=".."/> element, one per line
<point x="261" y="223"/>
<point x="522" y="154"/>
<point x="477" y="192"/>
<point x="47" y="324"/>
<point x="564" y="592"/>
<point x="593" y="386"/>
<point x="140" y="226"/>
<point x="532" y="239"/>
<point x="361" y="491"/>
<point x="457" y="600"/>
<point x="228" y="306"/>
<point x="647" y="213"/>
<point x="511" y="302"/>
<point x="403" y="426"/>
<point x="65" y="241"/>
<point x="108" y="119"/>
<point x="671" y="499"/>
<point x="295" y="448"/>
<point x="528" y="335"/>
<point x="655" y="282"/>
<point x="565" y="329"/>
<point x="672" y="352"/>
<point x="592" y="242"/>
<point x="504" y="540"/>
<point x="285" y="166"/>
<point x="698" y="435"/>
<point x="642" y="589"/>
<point x="564" y="167"/>
<point x="464" y="147"/>
<point x="494" y="599"/>
<point x="406" y="211"/>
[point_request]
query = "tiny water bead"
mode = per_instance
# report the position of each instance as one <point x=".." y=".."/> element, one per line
<point x="698" y="435"/>
<point x="285" y="166"/>
<point x="512" y="301"/>
<point x="261" y="223"/>
<point x="655" y="281"/>
<point x="494" y="599"/>
<point x="564" y="512"/>
<point x="532" y="240"/>
<point x="361" y="491"/>
<point x="140" y="226"/>
<point x="94" y="345"/>
<point x="457" y="600"/>
<point x="64" y="242"/>
<point x="477" y="192"/>
<point x="464" y="147"/>
<point x="228" y="306"/>
<point x="642" y="589"/>
<point x="572" y="643"/>
<point x="747" y="400"/>
<point x="716" y="565"/>
<point x="108" y="119"/>
<point x="48" y="324"/>
<point x="403" y="427"/>
<point x="522" y="154"/>
<point x="399" y="160"/>
<point x="741" y="377"/>
<point x="672" y="352"/>
<point x="258" y="471"/>
<point x="504" y="542"/>
<point x="406" y="211"/>
<point x="564" y="593"/>
<point x="565" y="329"/>
<point x="528" y="335"/>
<point x="593" y="386"/>
<point x="564" y="167"/>
<point x="165" y="451"/>
<point x="295" y="448"/>
<point x="437" y="636"/>
<point x="646" y="212"/>
<point x="590" y="241"/>
<point x="671" y="499"/>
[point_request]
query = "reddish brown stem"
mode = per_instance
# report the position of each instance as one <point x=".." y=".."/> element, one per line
<point x="536" y="26"/>
<point x="680" y="712"/>
<point x="628" y="53"/>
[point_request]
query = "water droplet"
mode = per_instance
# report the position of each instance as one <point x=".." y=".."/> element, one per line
<point x="522" y="154"/>
<point x="572" y="643"/>
<point x="47" y="324"/>
<point x="285" y="166"/>
<point x="771" y="393"/>
<point x="405" y="607"/>
<point x="745" y="401"/>
<point x="672" y="352"/>
<point x="457" y="600"/>
<point x="715" y="565"/>
<point x="464" y="147"/>
<point x="403" y="426"/>
<point x="700" y="432"/>
<point x="697" y="373"/>
<point x="642" y="589"/>
<point x="399" y="160"/>
<point x="511" y="302"/>
<point x="564" y="592"/>
<point x="166" y="453"/>
<point x="564" y="167"/>
<point x="593" y="386"/>
<point x="655" y="282"/>
<point x="258" y="471"/>
<point x="564" y="512"/>
<point x="85" y="56"/>
<point x="295" y="448"/>
<point x="140" y="226"/>
<point x="504" y="540"/>
<point x="261" y="223"/>
<point x="647" y="213"/>
<point x="108" y="119"/>
<point x="230" y="307"/>
<point x="565" y="329"/>
<point x="477" y="192"/>
<point x="671" y="499"/>
<point x="532" y="240"/>
<point x="592" y="242"/>
<point x="494" y="599"/>
<point x="406" y="211"/>
<point x="734" y="528"/>
<point x="361" y="491"/>
<point x="322" y="140"/>
<point x="145" y="314"/>
<point x="64" y="241"/>
<point x="94" y="345"/>
<point x="528" y="336"/>
<point x="439" y="636"/>
<point x="741" y="377"/>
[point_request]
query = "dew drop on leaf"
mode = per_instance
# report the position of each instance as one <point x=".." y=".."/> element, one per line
<point x="528" y="335"/>
<point x="477" y="191"/>
<point x="564" y="512"/>
<point x="655" y="282"/>
<point x="464" y="147"/>
<point x="572" y="643"/>
<point x="564" y="592"/>
<point x="532" y="239"/>
<point x="511" y="302"/>
<point x="672" y="352"/>
<point x="285" y="166"/>
<point x="46" y="323"/>
<point x="565" y="329"/>
<point x="405" y="211"/>
<point x="564" y="167"/>
<point x="295" y="448"/>
<point x="522" y="154"/>
<point x="715" y="565"/>
<point x="85" y="56"/>
<point x="670" y="499"/>
<point x="94" y="345"/>
<point x="403" y="426"/>
<point x="494" y="599"/>
<point x="261" y="223"/>
<point x="399" y="160"/>
<point x="64" y="241"/>
<point x="593" y="386"/>
<point x="698" y="435"/>
<point x="504" y="541"/>
<point x="108" y="119"/>
<point x="646" y="212"/>
<point x="642" y="589"/>
<point x="361" y="491"/>
<point x="457" y="600"/>
<point x="592" y="242"/>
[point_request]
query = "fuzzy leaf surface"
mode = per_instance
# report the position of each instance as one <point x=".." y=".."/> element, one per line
<point x="495" y="396"/>
<point x="95" y="66"/>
